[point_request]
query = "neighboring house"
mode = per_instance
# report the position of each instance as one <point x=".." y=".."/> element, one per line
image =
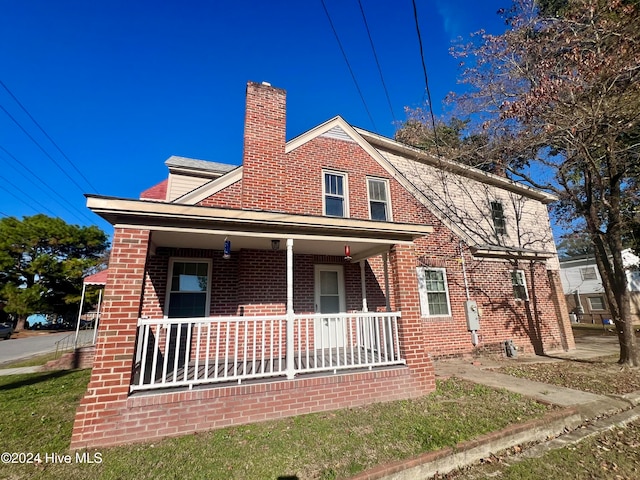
<point x="325" y="272"/>
<point x="584" y="292"/>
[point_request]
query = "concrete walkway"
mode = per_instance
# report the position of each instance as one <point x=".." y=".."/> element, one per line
<point x="19" y="370"/>
<point x="592" y="413"/>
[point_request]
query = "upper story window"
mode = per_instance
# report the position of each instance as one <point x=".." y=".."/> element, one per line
<point x="334" y="191"/>
<point x="588" y="273"/>
<point x="433" y="291"/>
<point x="519" y="284"/>
<point x="379" y="199"/>
<point x="497" y="214"/>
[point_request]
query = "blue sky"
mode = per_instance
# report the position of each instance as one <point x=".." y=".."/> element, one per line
<point x="122" y="85"/>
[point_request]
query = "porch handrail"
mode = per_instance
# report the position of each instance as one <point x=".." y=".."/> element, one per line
<point x="173" y="352"/>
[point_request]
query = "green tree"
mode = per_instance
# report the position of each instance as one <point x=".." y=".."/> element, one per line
<point x="557" y="98"/>
<point x="43" y="261"/>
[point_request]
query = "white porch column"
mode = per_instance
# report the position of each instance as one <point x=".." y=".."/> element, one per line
<point x="290" y="318"/>
<point x="385" y="264"/>
<point x="363" y="282"/>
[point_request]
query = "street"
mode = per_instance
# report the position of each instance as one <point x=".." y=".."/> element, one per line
<point x="15" y="349"/>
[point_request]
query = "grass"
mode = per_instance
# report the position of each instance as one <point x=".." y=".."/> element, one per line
<point x="39" y="410"/>
<point x="612" y="454"/>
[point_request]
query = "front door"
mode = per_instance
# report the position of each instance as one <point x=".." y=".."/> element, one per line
<point x="329" y="298"/>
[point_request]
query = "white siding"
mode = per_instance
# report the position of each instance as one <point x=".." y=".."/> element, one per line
<point x="181" y="184"/>
<point x="465" y="205"/>
<point x="572" y="280"/>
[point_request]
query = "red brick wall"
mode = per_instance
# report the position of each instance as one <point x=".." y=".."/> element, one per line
<point x="108" y="387"/>
<point x="229" y="197"/>
<point x="149" y="417"/>
<point x="264" y="142"/>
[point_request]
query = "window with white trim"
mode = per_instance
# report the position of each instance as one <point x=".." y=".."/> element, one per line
<point x="434" y="292"/>
<point x="334" y="188"/>
<point x="519" y="283"/>
<point x="188" y="288"/>
<point x="378" y="190"/>
<point x="588" y="273"/>
<point x="499" y="222"/>
<point x="596" y="303"/>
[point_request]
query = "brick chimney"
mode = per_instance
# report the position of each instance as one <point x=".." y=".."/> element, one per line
<point x="264" y="142"/>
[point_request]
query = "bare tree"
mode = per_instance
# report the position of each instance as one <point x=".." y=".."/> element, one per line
<point x="557" y="97"/>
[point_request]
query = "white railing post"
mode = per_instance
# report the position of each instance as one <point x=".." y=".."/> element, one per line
<point x="290" y="316"/>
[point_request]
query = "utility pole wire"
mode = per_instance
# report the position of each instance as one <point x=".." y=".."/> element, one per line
<point x="375" y="55"/>
<point x="42" y="149"/>
<point x="47" y="135"/>
<point x="426" y="78"/>
<point x="335" y="33"/>
<point x="34" y="175"/>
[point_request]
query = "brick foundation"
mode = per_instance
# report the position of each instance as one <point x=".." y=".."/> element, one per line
<point x="153" y="416"/>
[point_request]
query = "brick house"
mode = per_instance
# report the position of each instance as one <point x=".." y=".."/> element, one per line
<point x="325" y="272"/>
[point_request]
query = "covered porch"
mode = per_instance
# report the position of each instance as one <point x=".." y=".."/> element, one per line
<point x="232" y="296"/>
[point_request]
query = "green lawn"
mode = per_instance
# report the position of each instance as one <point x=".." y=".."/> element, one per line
<point x="39" y="409"/>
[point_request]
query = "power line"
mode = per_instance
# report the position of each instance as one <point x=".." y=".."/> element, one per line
<point x="8" y="182"/>
<point x="47" y="135"/>
<point x="426" y="78"/>
<point x="34" y="175"/>
<point x="42" y="149"/>
<point x="375" y="55"/>
<point x="335" y="33"/>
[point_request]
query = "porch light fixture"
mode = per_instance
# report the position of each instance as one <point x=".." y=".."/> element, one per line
<point x="347" y="253"/>
<point x="226" y="253"/>
<point x="275" y="244"/>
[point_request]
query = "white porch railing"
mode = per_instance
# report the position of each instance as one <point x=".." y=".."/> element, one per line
<point x="194" y="351"/>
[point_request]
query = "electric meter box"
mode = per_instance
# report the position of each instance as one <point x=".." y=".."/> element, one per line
<point x="472" y="314"/>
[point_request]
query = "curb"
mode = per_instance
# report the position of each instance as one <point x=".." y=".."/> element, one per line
<point x="448" y="459"/>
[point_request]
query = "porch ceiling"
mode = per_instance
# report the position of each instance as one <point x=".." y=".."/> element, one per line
<point x="206" y="227"/>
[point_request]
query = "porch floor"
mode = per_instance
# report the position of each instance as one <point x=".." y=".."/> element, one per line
<point x="242" y="371"/>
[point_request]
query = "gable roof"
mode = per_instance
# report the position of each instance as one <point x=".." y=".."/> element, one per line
<point x="394" y="157"/>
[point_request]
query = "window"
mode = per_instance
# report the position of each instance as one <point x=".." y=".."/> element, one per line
<point x="497" y="214"/>
<point x="588" y="273"/>
<point x="596" y="303"/>
<point x="434" y="294"/>
<point x="335" y="200"/>
<point x="188" y="291"/>
<point x="378" y="199"/>
<point x="519" y="285"/>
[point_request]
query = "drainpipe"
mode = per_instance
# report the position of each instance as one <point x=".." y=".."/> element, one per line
<point x="290" y="318"/>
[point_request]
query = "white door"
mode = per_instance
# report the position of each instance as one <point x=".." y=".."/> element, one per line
<point x="330" y="298"/>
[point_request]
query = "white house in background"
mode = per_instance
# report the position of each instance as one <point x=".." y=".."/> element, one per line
<point x="584" y="292"/>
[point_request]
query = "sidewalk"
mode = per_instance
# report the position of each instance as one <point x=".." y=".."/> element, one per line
<point x="556" y="430"/>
